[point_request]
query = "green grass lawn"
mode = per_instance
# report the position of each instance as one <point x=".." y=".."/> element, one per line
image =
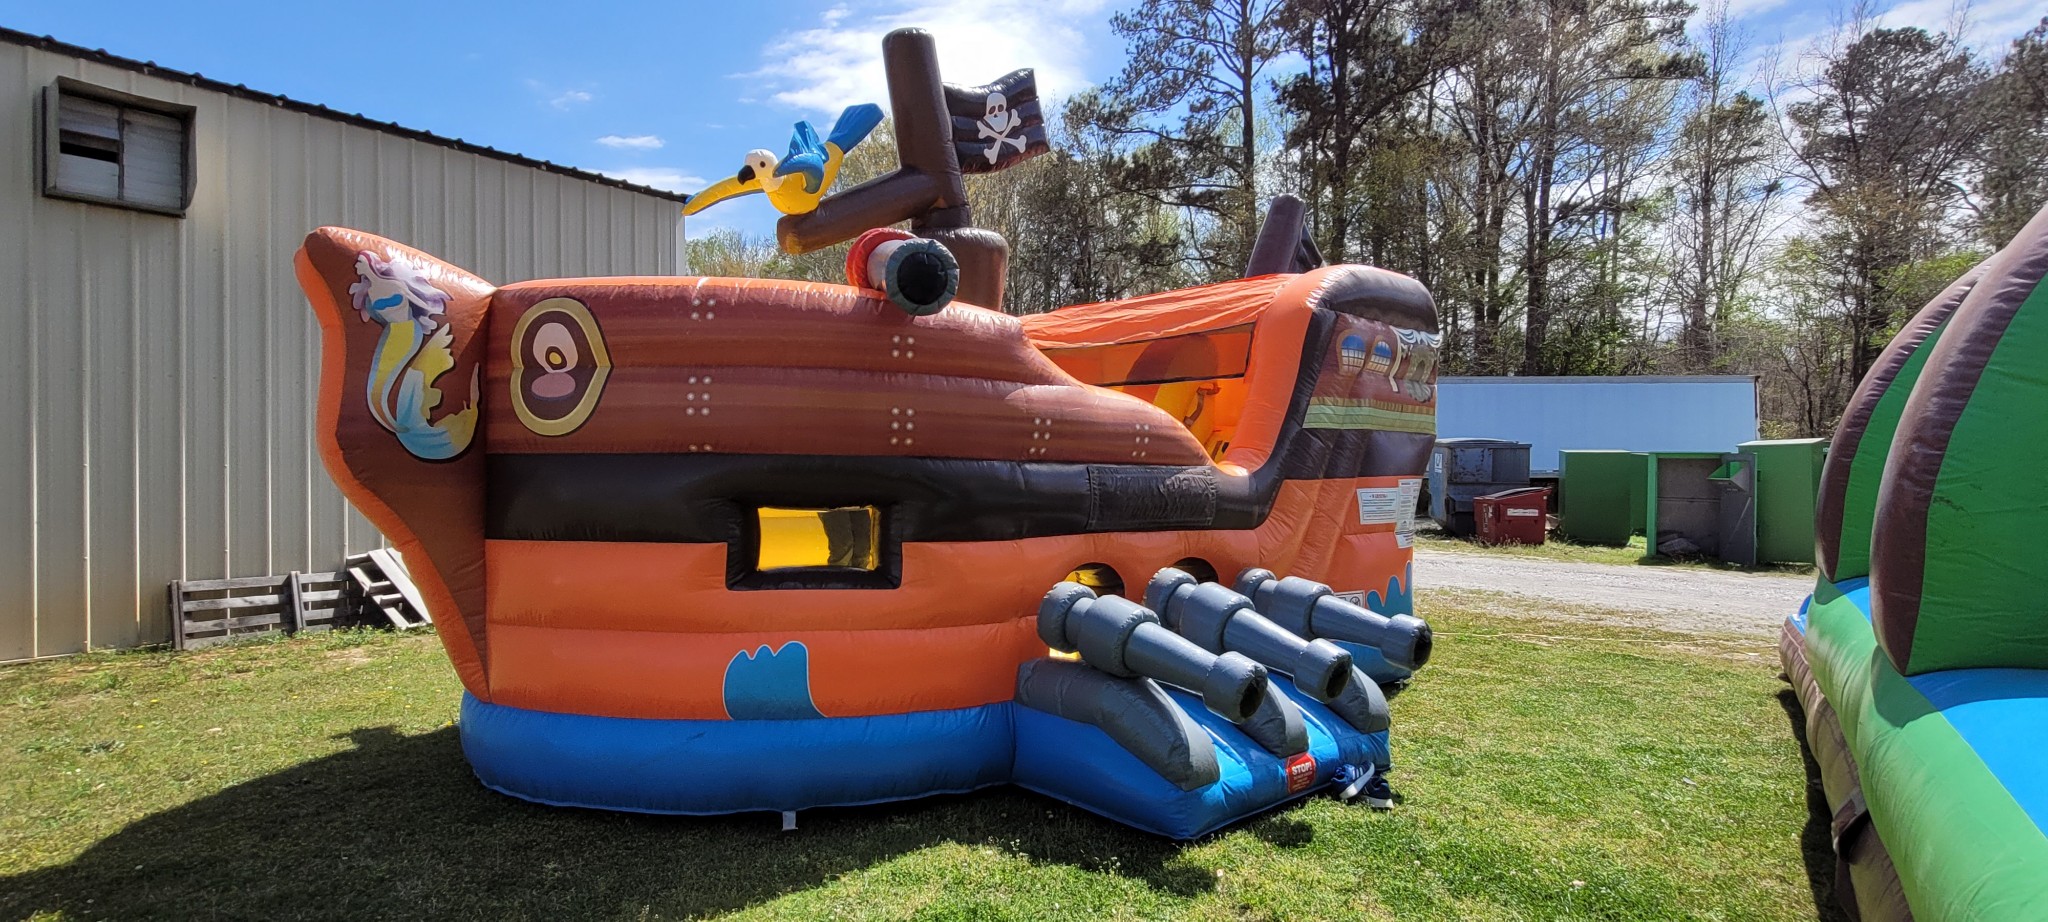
<point x="1548" y="770"/>
<point x="1556" y="547"/>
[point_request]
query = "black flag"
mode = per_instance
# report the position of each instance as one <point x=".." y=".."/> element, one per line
<point x="997" y="124"/>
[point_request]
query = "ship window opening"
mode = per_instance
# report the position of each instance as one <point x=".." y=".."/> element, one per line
<point x="1100" y="577"/>
<point x="1202" y="570"/>
<point x="842" y="537"/>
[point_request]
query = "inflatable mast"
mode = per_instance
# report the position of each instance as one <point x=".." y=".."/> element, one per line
<point x="942" y="132"/>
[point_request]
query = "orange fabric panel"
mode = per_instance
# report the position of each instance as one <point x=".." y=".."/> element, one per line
<point x="1367" y="563"/>
<point x="682" y="676"/>
<point x="810" y="410"/>
<point x="634" y="586"/>
<point x="1156" y="316"/>
<point x="1199" y="356"/>
<point x="630" y="586"/>
<point x="1278" y="305"/>
<point x="440" y="533"/>
<point x="648" y="630"/>
<point x="1277" y="345"/>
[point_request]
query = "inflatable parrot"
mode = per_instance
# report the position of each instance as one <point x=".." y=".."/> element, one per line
<point x="795" y="183"/>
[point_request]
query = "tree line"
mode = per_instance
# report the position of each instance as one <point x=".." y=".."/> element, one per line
<point x="1588" y="187"/>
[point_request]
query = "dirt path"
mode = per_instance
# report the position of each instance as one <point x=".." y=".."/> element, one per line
<point x="1680" y="598"/>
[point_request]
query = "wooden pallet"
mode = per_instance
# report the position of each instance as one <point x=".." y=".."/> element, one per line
<point x="211" y="611"/>
<point x="380" y="576"/>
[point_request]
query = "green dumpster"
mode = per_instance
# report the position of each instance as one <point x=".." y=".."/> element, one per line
<point x="1700" y="504"/>
<point x="1787" y="480"/>
<point x="1601" y="498"/>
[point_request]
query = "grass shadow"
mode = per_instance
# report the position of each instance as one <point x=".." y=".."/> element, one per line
<point x="396" y="827"/>
<point x="1816" y="838"/>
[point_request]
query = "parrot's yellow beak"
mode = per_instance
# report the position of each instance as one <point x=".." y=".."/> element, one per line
<point x="729" y="187"/>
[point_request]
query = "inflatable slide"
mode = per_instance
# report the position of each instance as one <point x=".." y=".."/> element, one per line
<point x="1922" y="658"/>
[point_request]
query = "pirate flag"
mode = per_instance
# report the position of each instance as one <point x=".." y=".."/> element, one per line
<point x="997" y="125"/>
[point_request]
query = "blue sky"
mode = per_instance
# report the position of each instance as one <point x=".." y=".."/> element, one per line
<point x="668" y="93"/>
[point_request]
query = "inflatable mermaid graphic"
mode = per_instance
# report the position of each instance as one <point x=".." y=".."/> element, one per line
<point x="412" y="353"/>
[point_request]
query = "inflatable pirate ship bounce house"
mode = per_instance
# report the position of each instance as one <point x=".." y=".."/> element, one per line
<point x="1922" y="658"/>
<point x="702" y="545"/>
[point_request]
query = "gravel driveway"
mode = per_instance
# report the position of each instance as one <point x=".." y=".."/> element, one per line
<point x="1680" y="598"/>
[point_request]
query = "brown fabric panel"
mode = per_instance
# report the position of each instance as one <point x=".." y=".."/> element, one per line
<point x="436" y="505"/>
<point x="1823" y="730"/>
<point x="1378" y="294"/>
<point x="1867" y="884"/>
<point x="806" y="410"/>
<point x="1834" y="478"/>
<point x="1874" y="881"/>
<point x="718" y="322"/>
<point x="1898" y="547"/>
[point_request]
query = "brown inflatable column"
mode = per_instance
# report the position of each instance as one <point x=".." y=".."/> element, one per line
<point x="984" y="258"/>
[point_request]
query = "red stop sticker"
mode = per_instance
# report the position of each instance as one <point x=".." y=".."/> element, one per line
<point x="1301" y="773"/>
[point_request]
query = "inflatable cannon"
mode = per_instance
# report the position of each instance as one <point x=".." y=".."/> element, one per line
<point x="1125" y="640"/>
<point x="1310" y="609"/>
<point x="1217" y="619"/>
<point x="1124" y="653"/>
<point x="919" y="276"/>
<point x="1173" y="722"/>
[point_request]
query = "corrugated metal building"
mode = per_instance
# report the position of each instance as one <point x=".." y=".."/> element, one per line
<point x="1627" y="412"/>
<point x="156" y="408"/>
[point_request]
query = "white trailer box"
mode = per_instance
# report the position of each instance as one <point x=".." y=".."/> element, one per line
<point x="1630" y="413"/>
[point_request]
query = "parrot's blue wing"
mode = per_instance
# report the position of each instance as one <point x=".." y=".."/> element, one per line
<point x="806" y="157"/>
<point x="811" y="166"/>
<point x="804" y="140"/>
<point x="853" y="125"/>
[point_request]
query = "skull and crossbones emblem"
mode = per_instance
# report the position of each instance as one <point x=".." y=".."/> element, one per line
<point x="997" y="123"/>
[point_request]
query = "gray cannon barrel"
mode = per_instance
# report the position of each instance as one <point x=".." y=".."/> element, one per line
<point x="1122" y="638"/>
<point x="1217" y="619"/>
<point x="1307" y="608"/>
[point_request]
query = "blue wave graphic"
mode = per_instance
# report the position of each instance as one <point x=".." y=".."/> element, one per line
<point x="769" y="684"/>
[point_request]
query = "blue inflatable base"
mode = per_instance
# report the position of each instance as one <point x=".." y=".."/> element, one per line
<point x="731" y="766"/>
<point x="1081" y="765"/>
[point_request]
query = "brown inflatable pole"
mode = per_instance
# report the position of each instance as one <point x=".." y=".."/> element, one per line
<point x="1284" y="244"/>
<point x="926" y="189"/>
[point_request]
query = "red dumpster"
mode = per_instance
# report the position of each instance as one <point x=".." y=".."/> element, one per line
<point x="1512" y="516"/>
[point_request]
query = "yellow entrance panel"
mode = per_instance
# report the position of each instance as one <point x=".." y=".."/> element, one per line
<point x="849" y="537"/>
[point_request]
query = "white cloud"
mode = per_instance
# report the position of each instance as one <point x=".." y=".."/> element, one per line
<point x="634" y="142"/>
<point x="1988" y="25"/>
<point x="669" y="178"/>
<point x="1742" y="9"/>
<point x="825" y="69"/>
<point x="559" y="98"/>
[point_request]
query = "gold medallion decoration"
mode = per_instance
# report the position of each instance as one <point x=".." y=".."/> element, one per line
<point x="559" y="364"/>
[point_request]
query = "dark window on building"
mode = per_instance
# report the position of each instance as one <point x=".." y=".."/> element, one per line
<point x="116" y="149"/>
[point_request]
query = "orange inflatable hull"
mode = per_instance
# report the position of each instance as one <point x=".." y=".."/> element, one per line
<point x="576" y="469"/>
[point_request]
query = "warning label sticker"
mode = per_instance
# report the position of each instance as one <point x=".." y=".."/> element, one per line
<point x="1355" y="598"/>
<point x="1404" y="526"/>
<point x="1379" y="505"/>
<point x="1391" y="506"/>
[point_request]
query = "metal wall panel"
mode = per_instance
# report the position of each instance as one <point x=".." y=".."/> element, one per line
<point x="158" y="409"/>
<point x="1633" y="413"/>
